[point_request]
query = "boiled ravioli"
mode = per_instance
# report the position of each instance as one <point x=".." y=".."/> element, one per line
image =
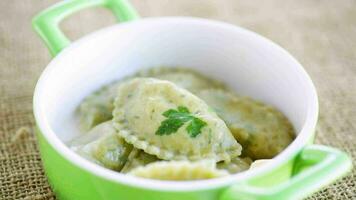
<point x="103" y="146"/>
<point x="236" y="165"/>
<point x="139" y="116"/>
<point x="185" y="78"/>
<point x="137" y="158"/>
<point x="97" y="107"/>
<point x="177" y="124"/>
<point x="262" y="130"/>
<point x="179" y="170"/>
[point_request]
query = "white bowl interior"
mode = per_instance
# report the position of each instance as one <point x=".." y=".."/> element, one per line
<point x="250" y="64"/>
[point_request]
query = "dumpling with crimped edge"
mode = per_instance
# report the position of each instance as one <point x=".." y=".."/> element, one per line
<point x="137" y="158"/>
<point x="179" y="170"/>
<point x="262" y="130"/>
<point x="183" y="77"/>
<point x="237" y="164"/>
<point x="97" y="107"/>
<point x="167" y="121"/>
<point x="103" y="146"/>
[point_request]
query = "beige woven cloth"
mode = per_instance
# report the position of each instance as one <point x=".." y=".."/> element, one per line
<point x="320" y="34"/>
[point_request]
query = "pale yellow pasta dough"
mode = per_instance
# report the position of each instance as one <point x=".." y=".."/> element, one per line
<point x="236" y="165"/>
<point x="97" y="107"/>
<point x="185" y="78"/>
<point x="137" y="158"/>
<point x="103" y="146"/>
<point x="262" y="130"/>
<point x="177" y="124"/>
<point x="179" y="170"/>
<point x="138" y="114"/>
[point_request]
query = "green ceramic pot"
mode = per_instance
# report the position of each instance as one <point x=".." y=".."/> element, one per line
<point x="249" y="63"/>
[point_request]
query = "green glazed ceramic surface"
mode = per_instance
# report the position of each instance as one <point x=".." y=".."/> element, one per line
<point x="305" y="171"/>
<point x="314" y="166"/>
<point x="47" y="23"/>
<point x="69" y="182"/>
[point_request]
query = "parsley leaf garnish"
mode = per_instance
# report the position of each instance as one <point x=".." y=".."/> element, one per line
<point x="195" y="126"/>
<point x="176" y="119"/>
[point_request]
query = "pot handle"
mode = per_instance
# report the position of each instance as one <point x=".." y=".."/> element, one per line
<point x="325" y="164"/>
<point x="46" y="23"/>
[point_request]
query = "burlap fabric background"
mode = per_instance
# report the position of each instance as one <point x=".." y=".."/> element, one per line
<point x="320" y="34"/>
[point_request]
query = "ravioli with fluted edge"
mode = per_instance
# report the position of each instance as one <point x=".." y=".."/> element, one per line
<point x="98" y="107"/>
<point x="177" y="124"/>
<point x="170" y="122"/>
<point x="262" y="130"/>
<point x="138" y="158"/>
<point x="182" y="77"/>
<point x="103" y="146"/>
<point x="179" y="170"/>
<point x="237" y="164"/>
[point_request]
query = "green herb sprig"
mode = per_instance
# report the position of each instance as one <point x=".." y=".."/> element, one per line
<point x="176" y="119"/>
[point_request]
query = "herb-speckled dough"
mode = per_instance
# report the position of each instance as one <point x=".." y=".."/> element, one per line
<point x="138" y="114"/>
<point x="98" y="107"/>
<point x="137" y="158"/>
<point x="236" y="165"/>
<point x="262" y="130"/>
<point x="103" y="146"/>
<point x="134" y="133"/>
<point x="185" y="78"/>
<point x="179" y="170"/>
